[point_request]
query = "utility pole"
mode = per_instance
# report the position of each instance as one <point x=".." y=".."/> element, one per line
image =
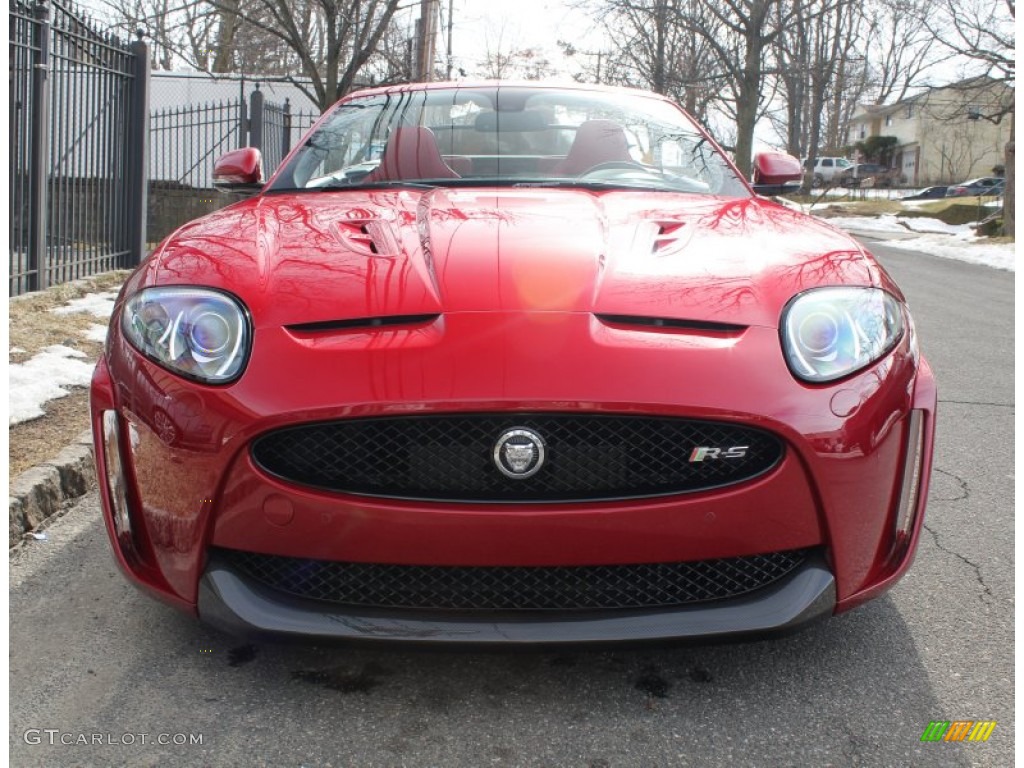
<point x="448" y="75"/>
<point x="426" y="40"/>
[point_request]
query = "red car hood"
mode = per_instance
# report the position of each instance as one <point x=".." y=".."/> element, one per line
<point x="326" y="256"/>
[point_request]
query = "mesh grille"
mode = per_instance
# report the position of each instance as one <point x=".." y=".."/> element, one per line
<point x="451" y="457"/>
<point x="516" y="588"/>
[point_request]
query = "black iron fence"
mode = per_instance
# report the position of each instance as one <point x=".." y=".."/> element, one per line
<point x="77" y="112"/>
<point x="185" y="141"/>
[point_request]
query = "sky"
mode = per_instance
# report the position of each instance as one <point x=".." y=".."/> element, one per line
<point x="482" y="25"/>
<point x="49" y="374"/>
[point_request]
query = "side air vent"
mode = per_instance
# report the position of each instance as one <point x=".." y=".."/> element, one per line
<point x="703" y="326"/>
<point x="667" y="236"/>
<point x="367" y="234"/>
<point x="362" y="323"/>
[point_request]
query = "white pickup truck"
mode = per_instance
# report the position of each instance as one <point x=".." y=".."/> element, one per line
<point x="828" y="169"/>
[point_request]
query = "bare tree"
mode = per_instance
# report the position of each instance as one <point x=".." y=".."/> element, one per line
<point x="652" y="50"/>
<point x="331" y="40"/>
<point x="815" y="55"/>
<point x="520" y="64"/>
<point x="505" y="55"/>
<point x="899" y="50"/>
<point x="177" y="30"/>
<point x="500" y="44"/>
<point x="740" y="36"/>
<point x="982" y="31"/>
<point x="328" y="42"/>
<point x="838" y="72"/>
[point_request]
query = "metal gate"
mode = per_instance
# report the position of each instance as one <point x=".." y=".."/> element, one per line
<point x="186" y="140"/>
<point x="78" y="129"/>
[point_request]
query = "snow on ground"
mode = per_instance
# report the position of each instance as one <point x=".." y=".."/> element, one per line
<point x="47" y="375"/>
<point x="934" y="237"/>
<point x="96" y="332"/>
<point x="97" y="304"/>
<point x="44" y="376"/>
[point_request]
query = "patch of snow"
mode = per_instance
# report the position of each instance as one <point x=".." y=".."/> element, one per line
<point x="935" y="238"/>
<point x="15" y="351"/>
<point x="997" y="255"/>
<point x="44" y="378"/>
<point x="96" y="304"/>
<point x="867" y="223"/>
<point x="96" y="332"/>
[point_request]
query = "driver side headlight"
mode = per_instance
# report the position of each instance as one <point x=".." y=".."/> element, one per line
<point x="199" y="333"/>
<point x="829" y="333"/>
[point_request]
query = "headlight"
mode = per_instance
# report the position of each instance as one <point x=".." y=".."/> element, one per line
<point x="200" y="333"/>
<point x="829" y="333"/>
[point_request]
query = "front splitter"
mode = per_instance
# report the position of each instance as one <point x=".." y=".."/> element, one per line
<point x="240" y="606"/>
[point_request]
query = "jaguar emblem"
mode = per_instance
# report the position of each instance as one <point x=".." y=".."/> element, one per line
<point x="519" y="453"/>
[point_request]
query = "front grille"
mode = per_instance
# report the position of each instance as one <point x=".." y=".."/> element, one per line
<point x="655" y="585"/>
<point x="451" y="457"/>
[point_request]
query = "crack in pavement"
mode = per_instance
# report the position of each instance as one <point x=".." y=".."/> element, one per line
<point x="976" y="402"/>
<point x="965" y="491"/>
<point x="977" y="568"/>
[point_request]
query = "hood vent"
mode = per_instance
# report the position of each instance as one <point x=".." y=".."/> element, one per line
<point x="362" y="323"/>
<point x="661" y="238"/>
<point x="668" y="234"/>
<point x="367" y="235"/>
<point x="654" y="323"/>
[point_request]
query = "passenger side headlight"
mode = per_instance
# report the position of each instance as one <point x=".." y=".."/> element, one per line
<point x="199" y="333"/>
<point x="829" y="333"/>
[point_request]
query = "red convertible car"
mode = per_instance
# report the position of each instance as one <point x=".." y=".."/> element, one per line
<point x="502" y="363"/>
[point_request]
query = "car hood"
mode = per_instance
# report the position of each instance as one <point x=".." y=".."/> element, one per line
<point x="327" y="256"/>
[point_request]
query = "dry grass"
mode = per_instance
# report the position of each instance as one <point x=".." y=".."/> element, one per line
<point x="38" y="440"/>
<point x="858" y="208"/>
<point x="32" y="328"/>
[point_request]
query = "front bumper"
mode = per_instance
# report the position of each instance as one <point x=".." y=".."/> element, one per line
<point x="192" y="486"/>
<point x="239" y="606"/>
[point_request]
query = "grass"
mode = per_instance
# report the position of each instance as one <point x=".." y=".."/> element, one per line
<point x="953" y="211"/>
<point x="33" y="326"/>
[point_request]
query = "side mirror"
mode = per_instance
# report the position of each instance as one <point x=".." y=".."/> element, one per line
<point x="239" y="171"/>
<point x="776" y="173"/>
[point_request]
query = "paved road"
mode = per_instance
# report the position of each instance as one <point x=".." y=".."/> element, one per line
<point x="90" y="656"/>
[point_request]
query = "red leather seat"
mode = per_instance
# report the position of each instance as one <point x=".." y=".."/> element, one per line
<point x="411" y="153"/>
<point x="596" y="142"/>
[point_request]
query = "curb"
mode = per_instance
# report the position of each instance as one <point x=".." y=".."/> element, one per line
<point x="41" y="492"/>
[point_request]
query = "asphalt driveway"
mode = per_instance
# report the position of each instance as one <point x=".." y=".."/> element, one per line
<point x="101" y="675"/>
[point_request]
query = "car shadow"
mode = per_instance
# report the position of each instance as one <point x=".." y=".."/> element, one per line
<point x="851" y="690"/>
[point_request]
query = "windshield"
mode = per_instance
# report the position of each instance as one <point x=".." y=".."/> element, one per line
<point x="509" y="135"/>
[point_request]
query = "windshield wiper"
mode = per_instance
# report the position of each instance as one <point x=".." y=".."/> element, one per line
<point x="584" y="184"/>
<point x="340" y="184"/>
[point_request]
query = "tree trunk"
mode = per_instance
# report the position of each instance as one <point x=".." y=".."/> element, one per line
<point x="747" y="98"/>
<point x="225" y="47"/>
<point x="1009" y="224"/>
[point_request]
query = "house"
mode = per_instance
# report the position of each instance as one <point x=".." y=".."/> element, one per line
<point x="945" y="134"/>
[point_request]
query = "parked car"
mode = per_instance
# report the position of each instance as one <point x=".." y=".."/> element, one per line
<point x="495" y="386"/>
<point x="928" y="193"/>
<point x="828" y="169"/>
<point x="988" y="185"/>
<point x="865" y="174"/>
